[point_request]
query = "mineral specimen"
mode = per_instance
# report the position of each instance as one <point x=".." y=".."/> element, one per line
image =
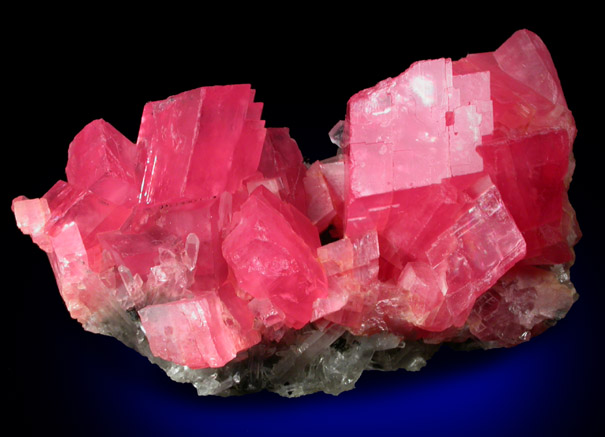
<point x="444" y="218"/>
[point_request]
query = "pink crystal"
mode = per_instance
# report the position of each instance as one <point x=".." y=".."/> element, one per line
<point x="271" y="251"/>
<point x="103" y="161"/>
<point x="210" y="244"/>
<point x="206" y="331"/>
<point x="321" y="209"/>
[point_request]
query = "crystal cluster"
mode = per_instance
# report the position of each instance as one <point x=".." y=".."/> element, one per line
<point x="444" y="217"/>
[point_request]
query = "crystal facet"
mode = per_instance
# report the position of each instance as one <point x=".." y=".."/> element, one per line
<point x="210" y="247"/>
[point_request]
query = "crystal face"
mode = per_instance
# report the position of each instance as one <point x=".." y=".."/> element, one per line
<point x="210" y="247"/>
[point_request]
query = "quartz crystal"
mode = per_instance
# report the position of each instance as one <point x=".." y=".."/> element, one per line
<point x="210" y="247"/>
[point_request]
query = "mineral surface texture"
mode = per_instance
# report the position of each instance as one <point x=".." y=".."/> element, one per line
<point x="444" y="218"/>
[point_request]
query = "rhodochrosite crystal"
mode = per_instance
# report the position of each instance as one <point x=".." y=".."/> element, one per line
<point x="444" y="217"/>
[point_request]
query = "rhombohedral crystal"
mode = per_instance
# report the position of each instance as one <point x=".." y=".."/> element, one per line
<point x="444" y="217"/>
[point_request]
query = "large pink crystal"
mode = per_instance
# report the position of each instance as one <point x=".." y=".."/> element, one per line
<point x="444" y="217"/>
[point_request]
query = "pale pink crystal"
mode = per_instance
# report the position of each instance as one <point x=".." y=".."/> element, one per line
<point x="206" y="331"/>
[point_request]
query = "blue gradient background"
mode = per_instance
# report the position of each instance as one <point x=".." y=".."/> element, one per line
<point x="64" y="380"/>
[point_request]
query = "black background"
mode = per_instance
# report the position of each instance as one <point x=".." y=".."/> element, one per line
<point x="304" y="65"/>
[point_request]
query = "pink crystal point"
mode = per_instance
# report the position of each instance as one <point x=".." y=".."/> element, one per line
<point x="444" y="217"/>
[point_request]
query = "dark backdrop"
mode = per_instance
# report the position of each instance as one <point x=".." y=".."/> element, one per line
<point x="63" y="379"/>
